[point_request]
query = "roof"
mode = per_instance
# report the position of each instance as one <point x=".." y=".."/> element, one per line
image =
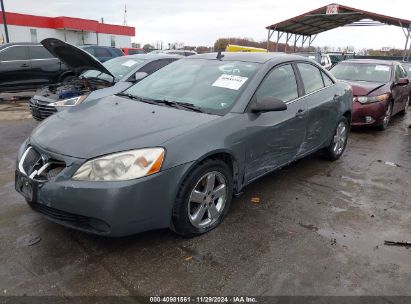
<point x="153" y="56"/>
<point x="376" y="61"/>
<point x="2" y="46"/>
<point x="68" y="23"/>
<point x="257" y="57"/>
<point x="332" y="16"/>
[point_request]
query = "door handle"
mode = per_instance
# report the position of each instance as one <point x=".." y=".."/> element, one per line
<point x="24" y="65"/>
<point x="300" y="113"/>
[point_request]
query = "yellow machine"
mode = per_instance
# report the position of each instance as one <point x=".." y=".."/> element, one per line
<point x="239" y="48"/>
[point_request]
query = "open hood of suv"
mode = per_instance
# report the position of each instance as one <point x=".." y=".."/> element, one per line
<point x="73" y="57"/>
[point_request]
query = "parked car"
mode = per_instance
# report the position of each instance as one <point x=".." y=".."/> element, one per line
<point x="95" y="79"/>
<point x="26" y="66"/>
<point x="175" y="52"/>
<point x="321" y="58"/>
<point x="407" y="67"/>
<point x="171" y="150"/>
<point x="380" y="89"/>
<point x="133" y="51"/>
<point x="102" y="53"/>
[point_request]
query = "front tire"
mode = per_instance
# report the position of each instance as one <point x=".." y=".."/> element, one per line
<point x="387" y="118"/>
<point x="339" y="140"/>
<point x="203" y="199"/>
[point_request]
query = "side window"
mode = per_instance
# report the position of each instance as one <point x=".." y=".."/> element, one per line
<point x="311" y="76"/>
<point x="154" y="66"/>
<point x="327" y="80"/>
<point x="14" y="53"/>
<point x="279" y="83"/>
<point x="39" y="52"/>
<point x="101" y="52"/>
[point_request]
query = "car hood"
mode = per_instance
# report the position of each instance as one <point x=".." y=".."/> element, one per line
<point x="364" y="88"/>
<point x="73" y="57"/>
<point x="113" y="124"/>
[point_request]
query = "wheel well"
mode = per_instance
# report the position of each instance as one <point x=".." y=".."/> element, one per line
<point x="230" y="161"/>
<point x="64" y="75"/>
<point x="348" y="116"/>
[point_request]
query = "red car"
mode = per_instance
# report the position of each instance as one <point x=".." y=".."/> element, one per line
<point x="132" y="51"/>
<point x="381" y="90"/>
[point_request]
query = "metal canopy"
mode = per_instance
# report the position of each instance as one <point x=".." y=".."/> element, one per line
<point x="307" y="26"/>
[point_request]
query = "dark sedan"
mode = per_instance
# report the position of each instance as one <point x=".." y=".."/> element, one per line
<point x="173" y="149"/>
<point x="95" y="80"/>
<point x="26" y="66"/>
<point x="380" y="90"/>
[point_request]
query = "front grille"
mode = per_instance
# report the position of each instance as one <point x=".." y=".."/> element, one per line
<point x="41" y="110"/>
<point x="86" y="223"/>
<point x="58" y="214"/>
<point x="32" y="158"/>
<point x="38" y="167"/>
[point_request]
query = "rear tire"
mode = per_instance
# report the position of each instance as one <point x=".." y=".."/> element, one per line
<point x="203" y="199"/>
<point x="339" y="140"/>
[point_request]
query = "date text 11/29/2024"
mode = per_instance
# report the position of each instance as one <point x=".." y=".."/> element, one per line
<point x="205" y="299"/>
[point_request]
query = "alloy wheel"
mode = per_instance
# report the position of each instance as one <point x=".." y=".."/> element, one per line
<point x="207" y="199"/>
<point x="340" y="138"/>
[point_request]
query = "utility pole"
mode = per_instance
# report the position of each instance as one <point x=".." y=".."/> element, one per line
<point x="4" y="21"/>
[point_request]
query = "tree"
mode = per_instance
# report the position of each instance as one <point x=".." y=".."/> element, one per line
<point x="221" y="44"/>
<point x="147" y="48"/>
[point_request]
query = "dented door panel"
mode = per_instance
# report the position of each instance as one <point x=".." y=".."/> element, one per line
<point x="275" y="139"/>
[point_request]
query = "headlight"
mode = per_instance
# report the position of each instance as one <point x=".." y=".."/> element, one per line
<point x="122" y="166"/>
<point x="371" y="99"/>
<point x="69" y="102"/>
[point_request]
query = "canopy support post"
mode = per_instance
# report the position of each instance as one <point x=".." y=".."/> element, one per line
<point x="278" y="39"/>
<point x="269" y="35"/>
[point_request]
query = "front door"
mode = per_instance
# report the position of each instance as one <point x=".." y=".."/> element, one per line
<point x="15" y="68"/>
<point x="274" y="138"/>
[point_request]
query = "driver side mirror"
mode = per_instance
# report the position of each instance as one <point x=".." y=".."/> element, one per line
<point x="403" y="81"/>
<point x="140" y="75"/>
<point x="269" y="104"/>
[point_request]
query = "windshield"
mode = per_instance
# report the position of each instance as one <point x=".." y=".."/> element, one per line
<point x="370" y="72"/>
<point x="119" y="67"/>
<point x="210" y="85"/>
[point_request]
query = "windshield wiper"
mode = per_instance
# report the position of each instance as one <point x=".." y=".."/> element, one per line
<point x="180" y="105"/>
<point x="131" y="96"/>
<point x="169" y="103"/>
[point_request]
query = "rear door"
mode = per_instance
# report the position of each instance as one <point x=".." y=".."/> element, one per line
<point x="46" y="68"/>
<point x="322" y="107"/>
<point x="275" y="137"/>
<point x="15" y="68"/>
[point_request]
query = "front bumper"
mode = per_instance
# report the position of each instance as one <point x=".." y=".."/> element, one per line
<point x="105" y="208"/>
<point x="40" y="107"/>
<point x="374" y="110"/>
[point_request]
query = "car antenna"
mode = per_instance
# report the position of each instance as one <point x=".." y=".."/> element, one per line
<point x="219" y="55"/>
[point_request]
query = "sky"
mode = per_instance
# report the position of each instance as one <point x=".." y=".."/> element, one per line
<point x="202" y="22"/>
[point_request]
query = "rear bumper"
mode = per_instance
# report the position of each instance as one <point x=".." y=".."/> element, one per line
<point x="374" y="110"/>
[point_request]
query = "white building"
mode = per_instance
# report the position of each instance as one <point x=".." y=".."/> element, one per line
<point x="29" y="28"/>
